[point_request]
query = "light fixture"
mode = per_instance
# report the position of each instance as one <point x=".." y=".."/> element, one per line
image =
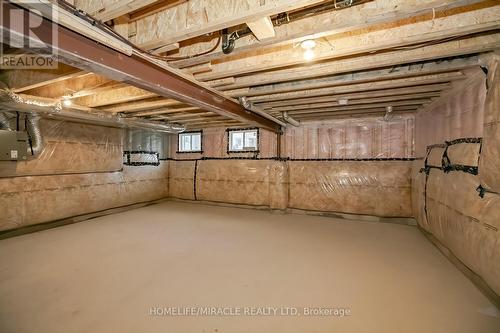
<point x="67" y="102"/>
<point x="308" y="55"/>
<point x="308" y="45"/>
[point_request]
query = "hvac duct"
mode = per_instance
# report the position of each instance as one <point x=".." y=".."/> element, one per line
<point x="34" y="134"/>
<point x="4" y="121"/>
<point x="15" y="102"/>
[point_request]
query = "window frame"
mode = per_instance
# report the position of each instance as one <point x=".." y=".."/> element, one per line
<point x="179" y="151"/>
<point x="232" y="130"/>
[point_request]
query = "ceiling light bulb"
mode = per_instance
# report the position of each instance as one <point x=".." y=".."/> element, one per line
<point x="308" y="44"/>
<point x="67" y="102"/>
<point x="308" y="55"/>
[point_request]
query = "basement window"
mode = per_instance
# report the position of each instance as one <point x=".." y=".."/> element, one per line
<point x="243" y="140"/>
<point x="189" y="142"/>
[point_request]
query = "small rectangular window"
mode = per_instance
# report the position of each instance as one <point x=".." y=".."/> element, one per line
<point x="244" y="140"/>
<point x="190" y="142"/>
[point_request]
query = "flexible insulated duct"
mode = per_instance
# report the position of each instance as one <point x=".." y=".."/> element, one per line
<point x="34" y="134"/>
<point x="4" y="121"/>
<point x="12" y="101"/>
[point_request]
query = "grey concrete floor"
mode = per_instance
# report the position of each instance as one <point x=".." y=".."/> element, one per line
<point x="109" y="273"/>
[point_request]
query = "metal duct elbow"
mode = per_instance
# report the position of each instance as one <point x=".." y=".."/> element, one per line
<point x="34" y="134"/>
<point x="4" y="121"/>
<point x="290" y="120"/>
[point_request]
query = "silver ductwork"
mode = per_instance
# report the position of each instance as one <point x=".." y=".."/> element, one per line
<point x="34" y="134"/>
<point x="5" y="121"/>
<point x="32" y="128"/>
<point x="53" y="110"/>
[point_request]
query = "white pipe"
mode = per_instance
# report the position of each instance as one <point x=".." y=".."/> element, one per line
<point x="249" y="106"/>
<point x="290" y="120"/>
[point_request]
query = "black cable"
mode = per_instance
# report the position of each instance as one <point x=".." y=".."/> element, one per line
<point x="105" y="28"/>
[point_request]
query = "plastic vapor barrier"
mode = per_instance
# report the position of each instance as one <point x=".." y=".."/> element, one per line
<point x="455" y="213"/>
<point x="251" y="182"/>
<point x="32" y="200"/>
<point x="181" y="179"/>
<point x="79" y="171"/>
<point x="378" y="187"/>
<point x="489" y="170"/>
<point x="70" y="148"/>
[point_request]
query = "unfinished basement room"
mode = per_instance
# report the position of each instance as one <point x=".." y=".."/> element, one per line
<point x="211" y="166"/>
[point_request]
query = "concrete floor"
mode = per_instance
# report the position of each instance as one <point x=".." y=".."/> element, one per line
<point x="106" y="274"/>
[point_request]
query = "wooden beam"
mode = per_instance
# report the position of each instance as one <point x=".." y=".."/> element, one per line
<point x="72" y="22"/>
<point x="354" y="114"/>
<point x="262" y="28"/>
<point x="166" y="48"/>
<point x="200" y="68"/>
<point x="27" y="79"/>
<point x="318" y="108"/>
<point x="358" y="107"/>
<point x="120" y="95"/>
<point x="148" y="104"/>
<point x="471" y="45"/>
<point x="387" y="84"/>
<point x="221" y="82"/>
<point x="79" y="86"/>
<point x="426" y="89"/>
<point x="332" y="22"/>
<point x="197" y="17"/>
<point x="155" y="8"/>
<point x="383" y="39"/>
<point x="358" y="77"/>
<point x="162" y="111"/>
<point x="106" y="10"/>
<point x="387" y="99"/>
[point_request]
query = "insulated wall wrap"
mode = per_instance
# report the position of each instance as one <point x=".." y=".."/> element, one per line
<point x="380" y="188"/>
<point x="489" y="170"/>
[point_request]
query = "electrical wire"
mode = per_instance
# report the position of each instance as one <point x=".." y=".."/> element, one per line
<point x="107" y="29"/>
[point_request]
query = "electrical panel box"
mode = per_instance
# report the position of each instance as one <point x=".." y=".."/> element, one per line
<point x="13" y="146"/>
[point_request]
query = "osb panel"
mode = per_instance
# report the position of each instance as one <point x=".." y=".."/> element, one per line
<point x="37" y="199"/>
<point x="360" y="138"/>
<point x="371" y="188"/>
<point x="458" y="115"/>
<point x="181" y="179"/>
<point x="71" y="148"/>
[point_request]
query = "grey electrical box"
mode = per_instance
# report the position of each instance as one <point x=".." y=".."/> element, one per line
<point x="13" y="146"/>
